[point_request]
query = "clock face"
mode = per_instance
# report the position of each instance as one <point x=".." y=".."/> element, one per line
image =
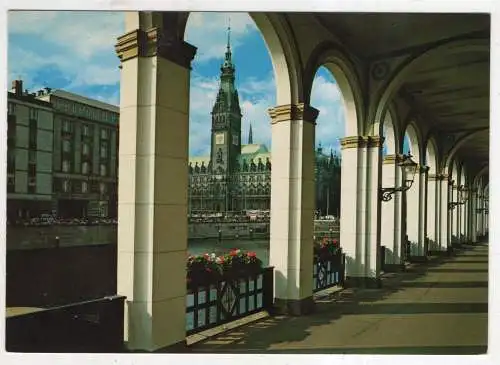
<point x="219" y="138"/>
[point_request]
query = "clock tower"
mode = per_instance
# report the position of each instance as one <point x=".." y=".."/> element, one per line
<point x="226" y="120"/>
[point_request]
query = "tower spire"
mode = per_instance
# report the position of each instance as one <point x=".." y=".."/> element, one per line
<point x="250" y="135"/>
<point x="227" y="58"/>
<point x="229" y="35"/>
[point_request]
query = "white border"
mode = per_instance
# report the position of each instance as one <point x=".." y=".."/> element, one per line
<point x="486" y="6"/>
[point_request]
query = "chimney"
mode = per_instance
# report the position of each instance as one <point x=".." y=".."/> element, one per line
<point x="17" y="87"/>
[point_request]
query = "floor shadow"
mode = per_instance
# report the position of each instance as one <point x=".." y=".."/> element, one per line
<point x="462" y="270"/>
<point x="403" y="350"/>
<point x="446" y="285"/>
<point x="472" y="261"/>
<point x="408" y="308"/>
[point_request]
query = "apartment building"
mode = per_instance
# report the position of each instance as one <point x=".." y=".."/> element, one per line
<point x="80" y="135"/>
<point x="29" y="154"/>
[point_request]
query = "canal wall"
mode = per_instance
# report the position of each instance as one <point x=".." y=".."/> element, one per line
<point x="19" y="237"/>
<point x="228" y="231"/>
<point x="45" y="236"/>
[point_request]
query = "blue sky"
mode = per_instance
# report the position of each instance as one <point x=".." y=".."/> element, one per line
<point x="75" y="51"/>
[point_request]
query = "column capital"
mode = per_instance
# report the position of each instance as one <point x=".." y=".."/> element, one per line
<point x="433" y="177"/>
<point x="353" y="142"/>
<point x="283" y="113"/>
<point x="441" y="177"/>
<point x="152" y="42"/>
<point x="393" y="158"/>
<point x="361" y="141"/>
<point x="374" y="141"/>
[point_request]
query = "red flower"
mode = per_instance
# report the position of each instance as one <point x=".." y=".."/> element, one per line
<point x="232" y="253"/>
<point x="251" y="254"/>
<point x="335" y="242"/>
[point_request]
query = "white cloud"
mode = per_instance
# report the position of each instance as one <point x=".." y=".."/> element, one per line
<point x="75" y="41"/>
<point x="85" y="34"/>
<point x="252" y="86"/>
<point x="325" y="91"/>
<point x="327" y="98"/>
<point x="208" y="32"/>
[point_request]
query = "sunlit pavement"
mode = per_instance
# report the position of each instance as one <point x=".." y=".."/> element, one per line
<point x="436" y="308"/>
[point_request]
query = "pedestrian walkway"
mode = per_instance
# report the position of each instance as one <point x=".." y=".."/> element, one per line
<point x="436" y="308"/>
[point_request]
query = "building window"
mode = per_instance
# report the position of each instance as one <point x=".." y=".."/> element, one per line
<point x="66" y="145"/>
<point x="85" y="186"/>
<point x="104" y="133"/>
<point x="102" y="188"/>
<point x="12" y="108"/>
<point x="85" y="149"/>
<point x="85" y="168"/>
<point x="86" y="130"/>
<point x="66" y="186"/>
<point x="66" y="166"/>
<point x="33" y="114"/>
<point x="103" y="170"/>
<point x="66" y="126"/>
<point x="104" y="150"/>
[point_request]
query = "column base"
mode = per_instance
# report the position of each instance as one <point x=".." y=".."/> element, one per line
<point x="179" y="347"/>
<point x="293" y="307"/>
<point x="394" y="267"/>
<point x="363" y="282"/>
<point x="417" y="259"/>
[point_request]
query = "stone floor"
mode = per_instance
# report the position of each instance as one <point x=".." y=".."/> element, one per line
<point x="436" y="308"/>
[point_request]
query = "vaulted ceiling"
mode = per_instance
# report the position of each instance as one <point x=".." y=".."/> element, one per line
<point x="451" y="90"/>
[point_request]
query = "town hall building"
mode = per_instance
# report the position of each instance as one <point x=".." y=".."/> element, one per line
<point x="236" y="177"/>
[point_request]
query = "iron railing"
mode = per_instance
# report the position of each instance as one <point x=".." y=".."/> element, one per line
<point x="328" y="271"/>
<point x="228" y="298"/>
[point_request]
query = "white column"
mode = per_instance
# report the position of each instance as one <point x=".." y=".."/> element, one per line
<point x="455" y="213"/>
<point x="432" y="209"/>
<point x="360" y="206"/>
<point x="450" y="214"/>
<point x="467" y="204"/>
<point x="443" y="212"/>
<point x="391" y="214"/>
<point x="422" y="219"/>
<point x="415" y="216"/>
<point x="292" y="206"/>
<point x="463" y="222"/>
<point x="473" y="215"/>
<point x="153" y="180"/>
<point x="480" y="222"/>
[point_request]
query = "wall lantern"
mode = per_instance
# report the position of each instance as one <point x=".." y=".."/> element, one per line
<point x="463" y="196"/>
<point x="409" y="168"/>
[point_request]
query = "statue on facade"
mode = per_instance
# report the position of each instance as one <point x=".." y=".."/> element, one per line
<point x="260" y="165"/>
<point x="253" y="166"/>
<point x="219" y="156"/>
